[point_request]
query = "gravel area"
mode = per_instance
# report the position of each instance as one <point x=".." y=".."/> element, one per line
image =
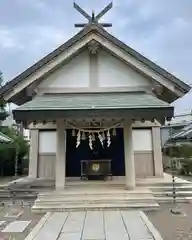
<point x="188" y="178"/>
<point x="24" y="214"/>
<point x="172" y="226"/>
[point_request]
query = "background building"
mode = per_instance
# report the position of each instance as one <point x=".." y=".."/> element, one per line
<point x="175" y="125"/>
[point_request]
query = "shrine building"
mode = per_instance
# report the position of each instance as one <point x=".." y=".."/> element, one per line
<point x="94" y="108"/>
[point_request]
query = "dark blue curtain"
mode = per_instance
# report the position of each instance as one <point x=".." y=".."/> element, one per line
<point x="115" y="152"/>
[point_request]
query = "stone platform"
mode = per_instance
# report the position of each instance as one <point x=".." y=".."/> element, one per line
<point x="95" y="197"/>
<point x="89" y="195"/>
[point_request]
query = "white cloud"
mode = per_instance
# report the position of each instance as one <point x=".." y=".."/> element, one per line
<point x="31" y="39"/>
<point x="47" y="34"/>
<point x="35" y="4"/>
<point x="8" y="39"/>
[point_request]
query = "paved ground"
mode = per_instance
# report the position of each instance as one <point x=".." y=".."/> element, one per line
<point x="172" y="226"/>
<point x="94" y="225"/>
<point x="16" y="222"/>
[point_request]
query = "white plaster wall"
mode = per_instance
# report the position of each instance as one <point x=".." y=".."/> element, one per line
<point x="47" y="142"/>
<point x="142" y="140"/>
<point x="114" y="73"/>
<point x="74" y="74"/>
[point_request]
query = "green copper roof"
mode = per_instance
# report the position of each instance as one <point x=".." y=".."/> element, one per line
<point x="5" y="138"/>
<point x="138" y="105"/>
<point x="93" y="101"/>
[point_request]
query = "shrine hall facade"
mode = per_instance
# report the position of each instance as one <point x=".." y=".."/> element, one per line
<point x="94" y="99"/>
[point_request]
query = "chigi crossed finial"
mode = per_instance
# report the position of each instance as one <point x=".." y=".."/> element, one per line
<point x="93" y="19"/>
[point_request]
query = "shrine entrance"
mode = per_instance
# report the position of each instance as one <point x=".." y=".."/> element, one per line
<point x="114" y="153"/>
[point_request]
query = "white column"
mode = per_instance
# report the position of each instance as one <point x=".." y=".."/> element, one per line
<point x="60" y="156"/>
<point x="129" y="156"/>
<point x="33" y="153"/>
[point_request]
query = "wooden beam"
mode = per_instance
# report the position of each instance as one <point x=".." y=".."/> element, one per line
<point x="104" y="11"/>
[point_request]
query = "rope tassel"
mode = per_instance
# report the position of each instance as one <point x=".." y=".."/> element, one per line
<point x="100" y="139"/>
<point x="78" y="139"/>
<point x="103" y="134"/>
<point x="90" y="142"/>
<point x="108" y="139"/>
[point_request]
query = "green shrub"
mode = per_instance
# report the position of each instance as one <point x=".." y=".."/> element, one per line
<point x="8" y="152"/>
<point x="186" y="168"/>
<point x="7" y="159"/>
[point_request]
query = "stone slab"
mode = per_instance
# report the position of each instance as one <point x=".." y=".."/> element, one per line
<point x="155" y="233"/>
<point x="70" y="236"/>
<point x="53" y="226"/>
<point x="16" y="226"/>
<point x="114" y="226"/>
<point x="38" y="226"/>
<point x="94" y="226"/>
<point x="74" y="224"/>
<point x="135" y="226"/>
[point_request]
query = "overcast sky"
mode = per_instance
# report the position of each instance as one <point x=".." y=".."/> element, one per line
<point x="159" y="29"/>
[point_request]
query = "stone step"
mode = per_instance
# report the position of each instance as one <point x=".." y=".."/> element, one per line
<point x="96" y="201"/>
<point x="9" y="194"/>
<point x="92" y="204"/>
<point x="84" y="207"/>
<point x="92" y="184"/>
<point x="163" y="184"/>
<point x="18" y="198"/>
<point x="96" y="192"/>
<point x="4" y="194"/>
<point x="165" y="188"/>
<point x="170" y="193"/>
<point x="170" y="199"/>
<point x="93" y="198"/>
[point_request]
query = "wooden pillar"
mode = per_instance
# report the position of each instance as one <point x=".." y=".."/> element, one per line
<point x="33" y="153"/>
<point x="60" y="156"/>
<point x="129" y="156"/>
<point x="157" y="152"/>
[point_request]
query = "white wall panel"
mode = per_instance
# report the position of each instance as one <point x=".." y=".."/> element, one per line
<point x="142" y="140"/>
<point x="47" y="142"/>
<point x="74" y="74"/>
<point x="115" y="73"/>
